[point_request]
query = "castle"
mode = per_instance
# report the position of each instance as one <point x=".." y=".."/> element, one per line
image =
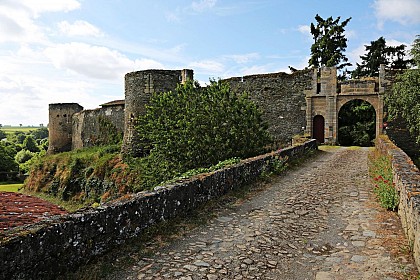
<point x="305" y="101"/>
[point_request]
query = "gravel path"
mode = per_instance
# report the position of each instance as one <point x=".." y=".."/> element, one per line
<point x="319" y="221"/>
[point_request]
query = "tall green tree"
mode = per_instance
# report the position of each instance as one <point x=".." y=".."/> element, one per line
<point x="404" y="98"/>
<point x="40" y="133"/>
<point x="415" y="51"/>
<point x="330" y="43"/>
<point x="378" y="53"/>
<point x="30" y="144"/>
<point x="356" y="122"/>
<point x="7" y="162"/>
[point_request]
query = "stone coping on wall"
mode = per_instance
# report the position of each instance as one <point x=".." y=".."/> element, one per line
<point x="62" y="243"/>
<point x="406" y="177"/>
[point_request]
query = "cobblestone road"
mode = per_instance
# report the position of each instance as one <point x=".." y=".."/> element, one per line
<point x="318" y="222"/>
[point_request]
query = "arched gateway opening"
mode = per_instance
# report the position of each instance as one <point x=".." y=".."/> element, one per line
<point x="319" y="129"/>
<point x="356" y="123"/>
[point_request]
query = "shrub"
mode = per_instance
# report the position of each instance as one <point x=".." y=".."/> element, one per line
<point x="23" y="156"/>
<point x="380" y="170"/>
<point x="195" y="127"/>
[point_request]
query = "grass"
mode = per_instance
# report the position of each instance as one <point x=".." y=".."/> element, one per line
<point x="12" y="129"/>
<point x="10" y="187"/>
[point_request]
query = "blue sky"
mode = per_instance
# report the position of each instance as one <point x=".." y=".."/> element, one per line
<point x="54" y="51"/>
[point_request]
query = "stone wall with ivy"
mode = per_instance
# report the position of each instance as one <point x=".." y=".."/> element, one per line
<point x="102" y="126"/>
<point x="62" y="243"/>
<point x="407" y="182"/>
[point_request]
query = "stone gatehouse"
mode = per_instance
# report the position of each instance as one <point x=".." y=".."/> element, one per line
<point x="306" y="101"/>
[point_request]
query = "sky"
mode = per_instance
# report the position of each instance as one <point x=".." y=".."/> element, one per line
<point x="58" y="51"/>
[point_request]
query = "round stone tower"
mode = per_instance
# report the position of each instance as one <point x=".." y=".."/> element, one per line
<point x="60" y="126"/>
<point x="139" y="87"/>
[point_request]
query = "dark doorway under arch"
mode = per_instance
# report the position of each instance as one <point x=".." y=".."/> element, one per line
<point x="319" y="129"/>
<point x="356" y="124"/>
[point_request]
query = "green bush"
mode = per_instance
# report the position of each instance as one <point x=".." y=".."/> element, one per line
<point x="30" y="144"/>
<point x="195" y="127"/>
<point x="7" y="163"/>
<point x="23" y="156"/>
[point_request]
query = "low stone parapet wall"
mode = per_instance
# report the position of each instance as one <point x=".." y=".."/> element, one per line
<point x="407" y="182"/>
<point x="54" y="246"/>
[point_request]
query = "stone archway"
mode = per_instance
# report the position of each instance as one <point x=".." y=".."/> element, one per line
<point x="327" y="96"/>
<point x="356" y="123"/>
<point x="319" y="129"/>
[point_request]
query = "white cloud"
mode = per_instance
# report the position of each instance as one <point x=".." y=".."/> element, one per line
<point x="42" y="6"/>
<point x="17" y="18"/>
<point x="243" y="58"/>
<point x="208" y="66"/>
<point x="253" y="70"/>
<point x="79" y="28"/>
<point x="18" y="26"/>
<point x="350" y="34"/>
<point x="195" y="8"/>
<point x="354" y="55"/>
<point x="304" y="29"/>
<point x="394" y="43"/>
<point x="28" y="83"/>
<point x="402" y="11"/>
<point x="200" y="6"/>
<point x="95" y="61"/>
<point x="172" y="16"/>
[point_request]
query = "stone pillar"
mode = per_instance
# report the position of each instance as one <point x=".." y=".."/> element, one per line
<point x="60" y="126"/>
<point x="187" y="75"/>
<point x="309" y="118"/>
<point x="329" y="89"/>
<point x="380" y="115"/>
<point x="138" y="89"/>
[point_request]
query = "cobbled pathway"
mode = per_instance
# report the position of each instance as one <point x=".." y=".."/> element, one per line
<point x="319" y="221"/>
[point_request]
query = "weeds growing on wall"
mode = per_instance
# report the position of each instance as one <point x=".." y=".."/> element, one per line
<point x="98" y="174"/>
<point x="380" y="170"/>
<point x="84" y="176"/>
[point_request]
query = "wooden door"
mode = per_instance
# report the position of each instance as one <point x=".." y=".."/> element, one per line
<point x="319" y="128"/>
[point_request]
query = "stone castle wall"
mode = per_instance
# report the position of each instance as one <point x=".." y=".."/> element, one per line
<point x="289" y="103"/>
<point x="61" y="126"/>
<point x="92" y="127"/>
<point x="281" y="97"/>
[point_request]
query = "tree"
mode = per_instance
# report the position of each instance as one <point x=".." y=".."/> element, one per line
<point x="40" y="133"/>
<point x="329" y="43"/>
<point x="2" y="134"/>
<point x="23" y="156"/>
<point x="379" y="53"/>
<point x="415" y="51"/>
<point x="404" y="100"/>
<point x="356" y="122"/>
<point x="7" y="163"/>
<point x="30" y="144"/>
<point x="195" y="127"/>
